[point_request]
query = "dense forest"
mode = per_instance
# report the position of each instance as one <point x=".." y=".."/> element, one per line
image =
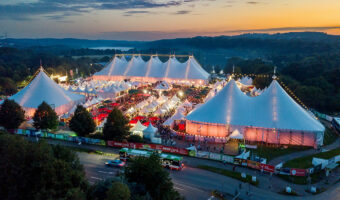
<point x="314" y="79"/>
<point x="18" y="65"/>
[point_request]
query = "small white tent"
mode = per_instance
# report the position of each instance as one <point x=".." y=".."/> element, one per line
<point x="138" y="129"/>
<point x="236" y="135"/>
<point x="171" y="120"/>
<point x="150" y="131"/>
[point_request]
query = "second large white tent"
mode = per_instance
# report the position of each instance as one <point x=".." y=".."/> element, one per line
<point x="272" y="117"/>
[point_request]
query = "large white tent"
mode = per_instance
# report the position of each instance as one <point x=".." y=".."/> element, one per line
<point x="42" y="88"/>
<point x="153" y="70"/>
<point x="272" y="117"/>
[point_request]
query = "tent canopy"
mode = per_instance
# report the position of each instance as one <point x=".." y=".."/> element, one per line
<point x="138" y="127"/>
<point x="277" y="110"/>
<point x="150" y="129"/>
<point x="176" y="116"/>
<point x="42" y="88"/>
<point x="236" y="135"/>
<point x="153" y="69"/>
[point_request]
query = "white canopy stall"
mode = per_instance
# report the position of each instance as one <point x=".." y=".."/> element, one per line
<point x="138" y="129"/>
<point x="149" y="132"/>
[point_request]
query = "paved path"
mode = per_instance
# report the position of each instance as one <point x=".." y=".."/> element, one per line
<point x="308" y="152"/>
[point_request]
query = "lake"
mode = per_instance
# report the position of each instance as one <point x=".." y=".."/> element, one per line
<point x="116" y="48"/>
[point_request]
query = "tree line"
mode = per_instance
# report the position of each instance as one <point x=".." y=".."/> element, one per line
<point x="18" y="65"/>
<point x="115" y="128"/>
<point x="37" y="170"/>
<point x="313" y="79"/>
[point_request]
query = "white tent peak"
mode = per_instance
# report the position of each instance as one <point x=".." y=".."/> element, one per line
<point x="176" y="116"/>
<point x="150" y="129"/>
<point x="229" y="106"/>
<point x="236" y="135"/>
<point x="152" y="70"/>
<point x="279" y="110"/>
<point x="42" y="88"/>
<point x="138" y="127"/>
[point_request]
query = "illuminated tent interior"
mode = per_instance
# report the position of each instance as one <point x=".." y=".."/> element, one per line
<point x="42" y="88"/>
<point x="272" y="117"/>
<point x="153" y="70"/>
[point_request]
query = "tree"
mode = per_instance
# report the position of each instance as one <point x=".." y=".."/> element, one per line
<point x="135" y="138"/>
<point x="116" y="126"/>
<point x="98" y="190"/>
<point x="82" y="122"/>
<point x="11" y="114"/>
<point x="148" y="173"/>
<point x="7" y="86"/>
<point x="39" y="171"/>
<point x="118" y="191"/>
<point x="45" y="117"/>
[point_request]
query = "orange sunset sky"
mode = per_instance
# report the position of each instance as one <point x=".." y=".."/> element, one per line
<point x="157" y="19"/>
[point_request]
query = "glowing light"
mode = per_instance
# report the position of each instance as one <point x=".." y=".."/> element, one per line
<point x="62" y="78"/>
<point x="180" y="93"/>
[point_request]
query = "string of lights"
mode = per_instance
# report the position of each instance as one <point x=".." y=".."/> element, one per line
<point x="149" y="55"/>
<point x="253" y="75"/>
<point x="291" y="93"/>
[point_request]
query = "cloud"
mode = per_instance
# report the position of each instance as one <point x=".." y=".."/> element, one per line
<point x="136" y="12"/>
<point x="253" y="2"/>
<point x="182" y="12"/>
<point x="22" y="11"/>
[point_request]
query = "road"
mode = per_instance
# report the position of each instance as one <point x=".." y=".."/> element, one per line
<point x="191" y="182"/>
<point x="195" y="183"/>
<point x="97" y="171"/>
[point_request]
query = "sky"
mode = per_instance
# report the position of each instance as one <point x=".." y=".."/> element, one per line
<point x="159" y="19"/>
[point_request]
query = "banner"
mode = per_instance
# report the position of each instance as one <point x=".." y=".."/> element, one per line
<point x="215" y="156"/>
<point x="228" y="159"/>
<point x="163" y="148"/>
<point x="254" y="164"/>
<point x="268" y="168"/>
<point x="297" y="172"/>
<point x="239" y="161"/>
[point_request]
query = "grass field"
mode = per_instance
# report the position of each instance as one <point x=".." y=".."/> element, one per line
<point x="272" y="152"/>
<point x="231" y="174"/>
<point x="330" y="136"/>
<point x="306" y="161"/>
